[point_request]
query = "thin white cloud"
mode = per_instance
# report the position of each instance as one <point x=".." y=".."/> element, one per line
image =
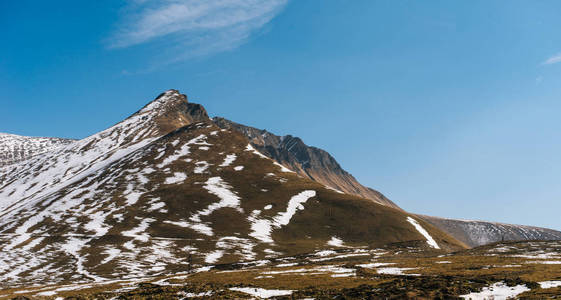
<point x="188" y="28"/>
<point x="553" y="60"/>
<point x="539" y="79"/>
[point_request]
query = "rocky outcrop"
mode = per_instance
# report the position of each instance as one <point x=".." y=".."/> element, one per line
<point x="174" y="111"/>
<point x="310" y="162"/>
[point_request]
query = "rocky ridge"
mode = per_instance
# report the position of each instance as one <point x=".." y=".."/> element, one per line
<point x="318" y="165"/>
<point x="311" y="162"/>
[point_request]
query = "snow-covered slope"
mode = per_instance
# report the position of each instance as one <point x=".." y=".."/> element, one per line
<point x="477" y="233"/>
<point x="14" y="148"/>
<point x="167" y="188"/>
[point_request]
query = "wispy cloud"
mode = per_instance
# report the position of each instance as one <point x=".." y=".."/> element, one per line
<point x="553" y="60"/>
<point x="539" y="80"/>
<point x="188" y="28"/>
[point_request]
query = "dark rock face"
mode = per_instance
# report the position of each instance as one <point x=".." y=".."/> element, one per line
<point x="176" y="111"/>
<point x="478" y="233"/>
<point x="311" y="162"/>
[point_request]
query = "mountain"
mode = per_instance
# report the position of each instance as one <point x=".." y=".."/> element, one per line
<point x="318" y="165"/>
<point x="310" y="162"/>
<point x="15" y="148"/>
<point x="167" y="189"/>
<point x="478" y="233"/>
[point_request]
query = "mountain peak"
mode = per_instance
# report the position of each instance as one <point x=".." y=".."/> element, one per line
<point x="169" y="97"/>
<point x="171" y="110"/>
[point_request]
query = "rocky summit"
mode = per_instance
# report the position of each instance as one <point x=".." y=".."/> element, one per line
<point x="166" y="191"/>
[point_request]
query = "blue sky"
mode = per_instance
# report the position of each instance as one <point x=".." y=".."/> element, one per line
<point x="450" y="108"/>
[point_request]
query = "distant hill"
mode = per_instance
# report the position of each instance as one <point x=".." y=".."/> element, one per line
<point x="477" y="233"/>
<point x="15" y="148"/>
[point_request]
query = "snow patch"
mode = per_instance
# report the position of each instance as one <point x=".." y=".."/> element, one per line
<point x="230" y="158"/>
<point x="336" y="242"/>
<point x="375" y="265"/>
<point x="549" y="284"/>
<point x="262" y="293"/>
<point x="422" y="231"/>
<point x="497" y="291"/>
<point x="261" y="228"/>
<point x="283" y="168"/>
<point x="294" y="205"/>
<point x="393" y="270"/>
<point x="201" y="166"/>
<point x="214" y="256"/>
<point x="176" y="178"/>
<point x="250" y="148"/>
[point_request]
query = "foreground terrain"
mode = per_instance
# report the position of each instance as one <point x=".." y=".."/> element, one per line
<point x="512" y="269"/>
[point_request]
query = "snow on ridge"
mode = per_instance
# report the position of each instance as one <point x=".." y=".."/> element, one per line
<point x="16" y="148"/>
<point x="30" y="181"/>
<point x="422" y="231"/>
<point x="159" y="102"/>
<point x="283" y="168"/>
<point x="250" y="148"/>
<point x="334" y="189"/>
